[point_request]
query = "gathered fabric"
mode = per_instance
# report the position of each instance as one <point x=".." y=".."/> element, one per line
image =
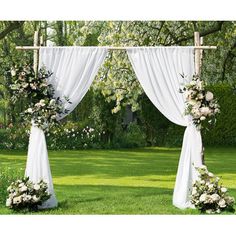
<point x="161" y="72"/>
<point x="74" y="69"/>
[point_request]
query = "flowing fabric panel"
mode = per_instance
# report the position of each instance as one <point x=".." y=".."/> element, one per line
<point x="74" y="69"/>
<point x="159" y="72"/>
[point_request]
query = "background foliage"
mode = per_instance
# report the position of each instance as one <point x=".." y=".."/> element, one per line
<point x="119" y="112"/>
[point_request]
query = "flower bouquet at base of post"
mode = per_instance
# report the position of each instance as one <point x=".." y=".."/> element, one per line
<point x="208" y="195"/>
<point x="23" y="194"/>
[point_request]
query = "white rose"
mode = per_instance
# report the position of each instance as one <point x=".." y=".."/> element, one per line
<point x="215" y="197"/>
<point x="223" y="190"/>
<point x="202" y="182"/>
<point x="205" y="110"/>
<point x="200" y="96"/>
<point x="8" y="202"/>
<point x="36" y="186"/>
<point x="42" y="102"/>
<point x="222" y="203"/>
<point x="192" y="102"/>
<point x="209" y="96"/>
<point x="203" y="197"/>
<point x="17" y="200"/>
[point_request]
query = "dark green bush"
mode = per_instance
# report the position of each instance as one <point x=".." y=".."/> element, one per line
<point x="224" y="132"/>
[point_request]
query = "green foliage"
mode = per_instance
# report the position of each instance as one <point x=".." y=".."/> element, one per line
<point x="7" y="176"/>
<point x="132" y="137"/>
<point x="224" y="132"/>
<point x="16" y="137"/>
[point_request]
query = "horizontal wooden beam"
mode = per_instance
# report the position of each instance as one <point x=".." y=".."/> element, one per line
<point x="113" y="48"/>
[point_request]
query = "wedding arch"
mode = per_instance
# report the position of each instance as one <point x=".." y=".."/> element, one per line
<point x="158" y="70"/>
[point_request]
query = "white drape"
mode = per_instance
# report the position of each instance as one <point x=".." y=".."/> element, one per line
<point x="74" y="69"/>
<point x="159" y="73"/>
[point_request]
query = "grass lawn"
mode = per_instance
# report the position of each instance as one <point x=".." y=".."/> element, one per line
<point x="137" y="181"/>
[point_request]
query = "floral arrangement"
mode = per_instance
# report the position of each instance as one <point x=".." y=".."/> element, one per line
<point x="24" y="194"/>
<point x="200" y="104"/>
<point x="44" y="107"/>
<point x="208" y="195"/>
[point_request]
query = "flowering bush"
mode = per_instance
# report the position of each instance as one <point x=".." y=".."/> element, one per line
<point x="44" y="107"/>
<point x="200" y="104"/>
<point x="24" y="194"/>
<point x="208" y="196"/>
<point x="73" y="136"/>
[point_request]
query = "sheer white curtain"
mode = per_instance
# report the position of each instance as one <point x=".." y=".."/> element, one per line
<point x="159" y="73"/>
<point x="74" y="69"/>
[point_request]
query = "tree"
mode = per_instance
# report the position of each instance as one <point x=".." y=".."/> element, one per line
<point x="116" y="79"/>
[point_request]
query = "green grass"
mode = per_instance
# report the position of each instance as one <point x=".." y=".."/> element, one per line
<point x="138" y="181"/>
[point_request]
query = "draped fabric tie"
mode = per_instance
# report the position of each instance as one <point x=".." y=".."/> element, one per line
<point x="159" y="72"/>
<point x="190" y="158"/>
<point x="74" y="70"/>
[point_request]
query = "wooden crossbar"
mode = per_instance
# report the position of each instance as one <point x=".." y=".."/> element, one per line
<point x="113" y="48"/>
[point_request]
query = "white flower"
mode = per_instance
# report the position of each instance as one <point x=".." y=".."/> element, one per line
<point x="23" y="189"/>
<point x="204" y="110"/>
<point x="9" y="189"/>
<point x="200" y="96"/>
<point x="21" y="185"/>
<point x="8" y="202"/>
<point x="202" y="181"/>
<point x="209" y="211"/>
<point x="194" y="191"/>
<point x="192" y="102"/>
<point x="52" y="102"/>
<point x="193" y="82"/>
<point x="28" y="197"/>
<point x="222" y="203"/>
<point x="17" y="200"/>
<point x="211" y="186"/>
<point x="30" y="110"/>
<point x="203" y="197"/>
<point x="215" y="197"/>
<point x="42" y="102"/>
<point x="223" y="190"/>
<point x="210" y="174"/>
<point x="36" y="186"/>
<point x="209" y="96"/>
<point x="13" y="72"/>
<point x="202" y="118"/>
<point x="35" y="199"/>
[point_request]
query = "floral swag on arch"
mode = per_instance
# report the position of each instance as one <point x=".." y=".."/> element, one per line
<point x="159" y="73"/>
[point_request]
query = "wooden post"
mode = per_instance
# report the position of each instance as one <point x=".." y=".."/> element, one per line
<point x="198" y="62"/>
<point x="197" y="55"/>
<point x="36" y="52"/>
